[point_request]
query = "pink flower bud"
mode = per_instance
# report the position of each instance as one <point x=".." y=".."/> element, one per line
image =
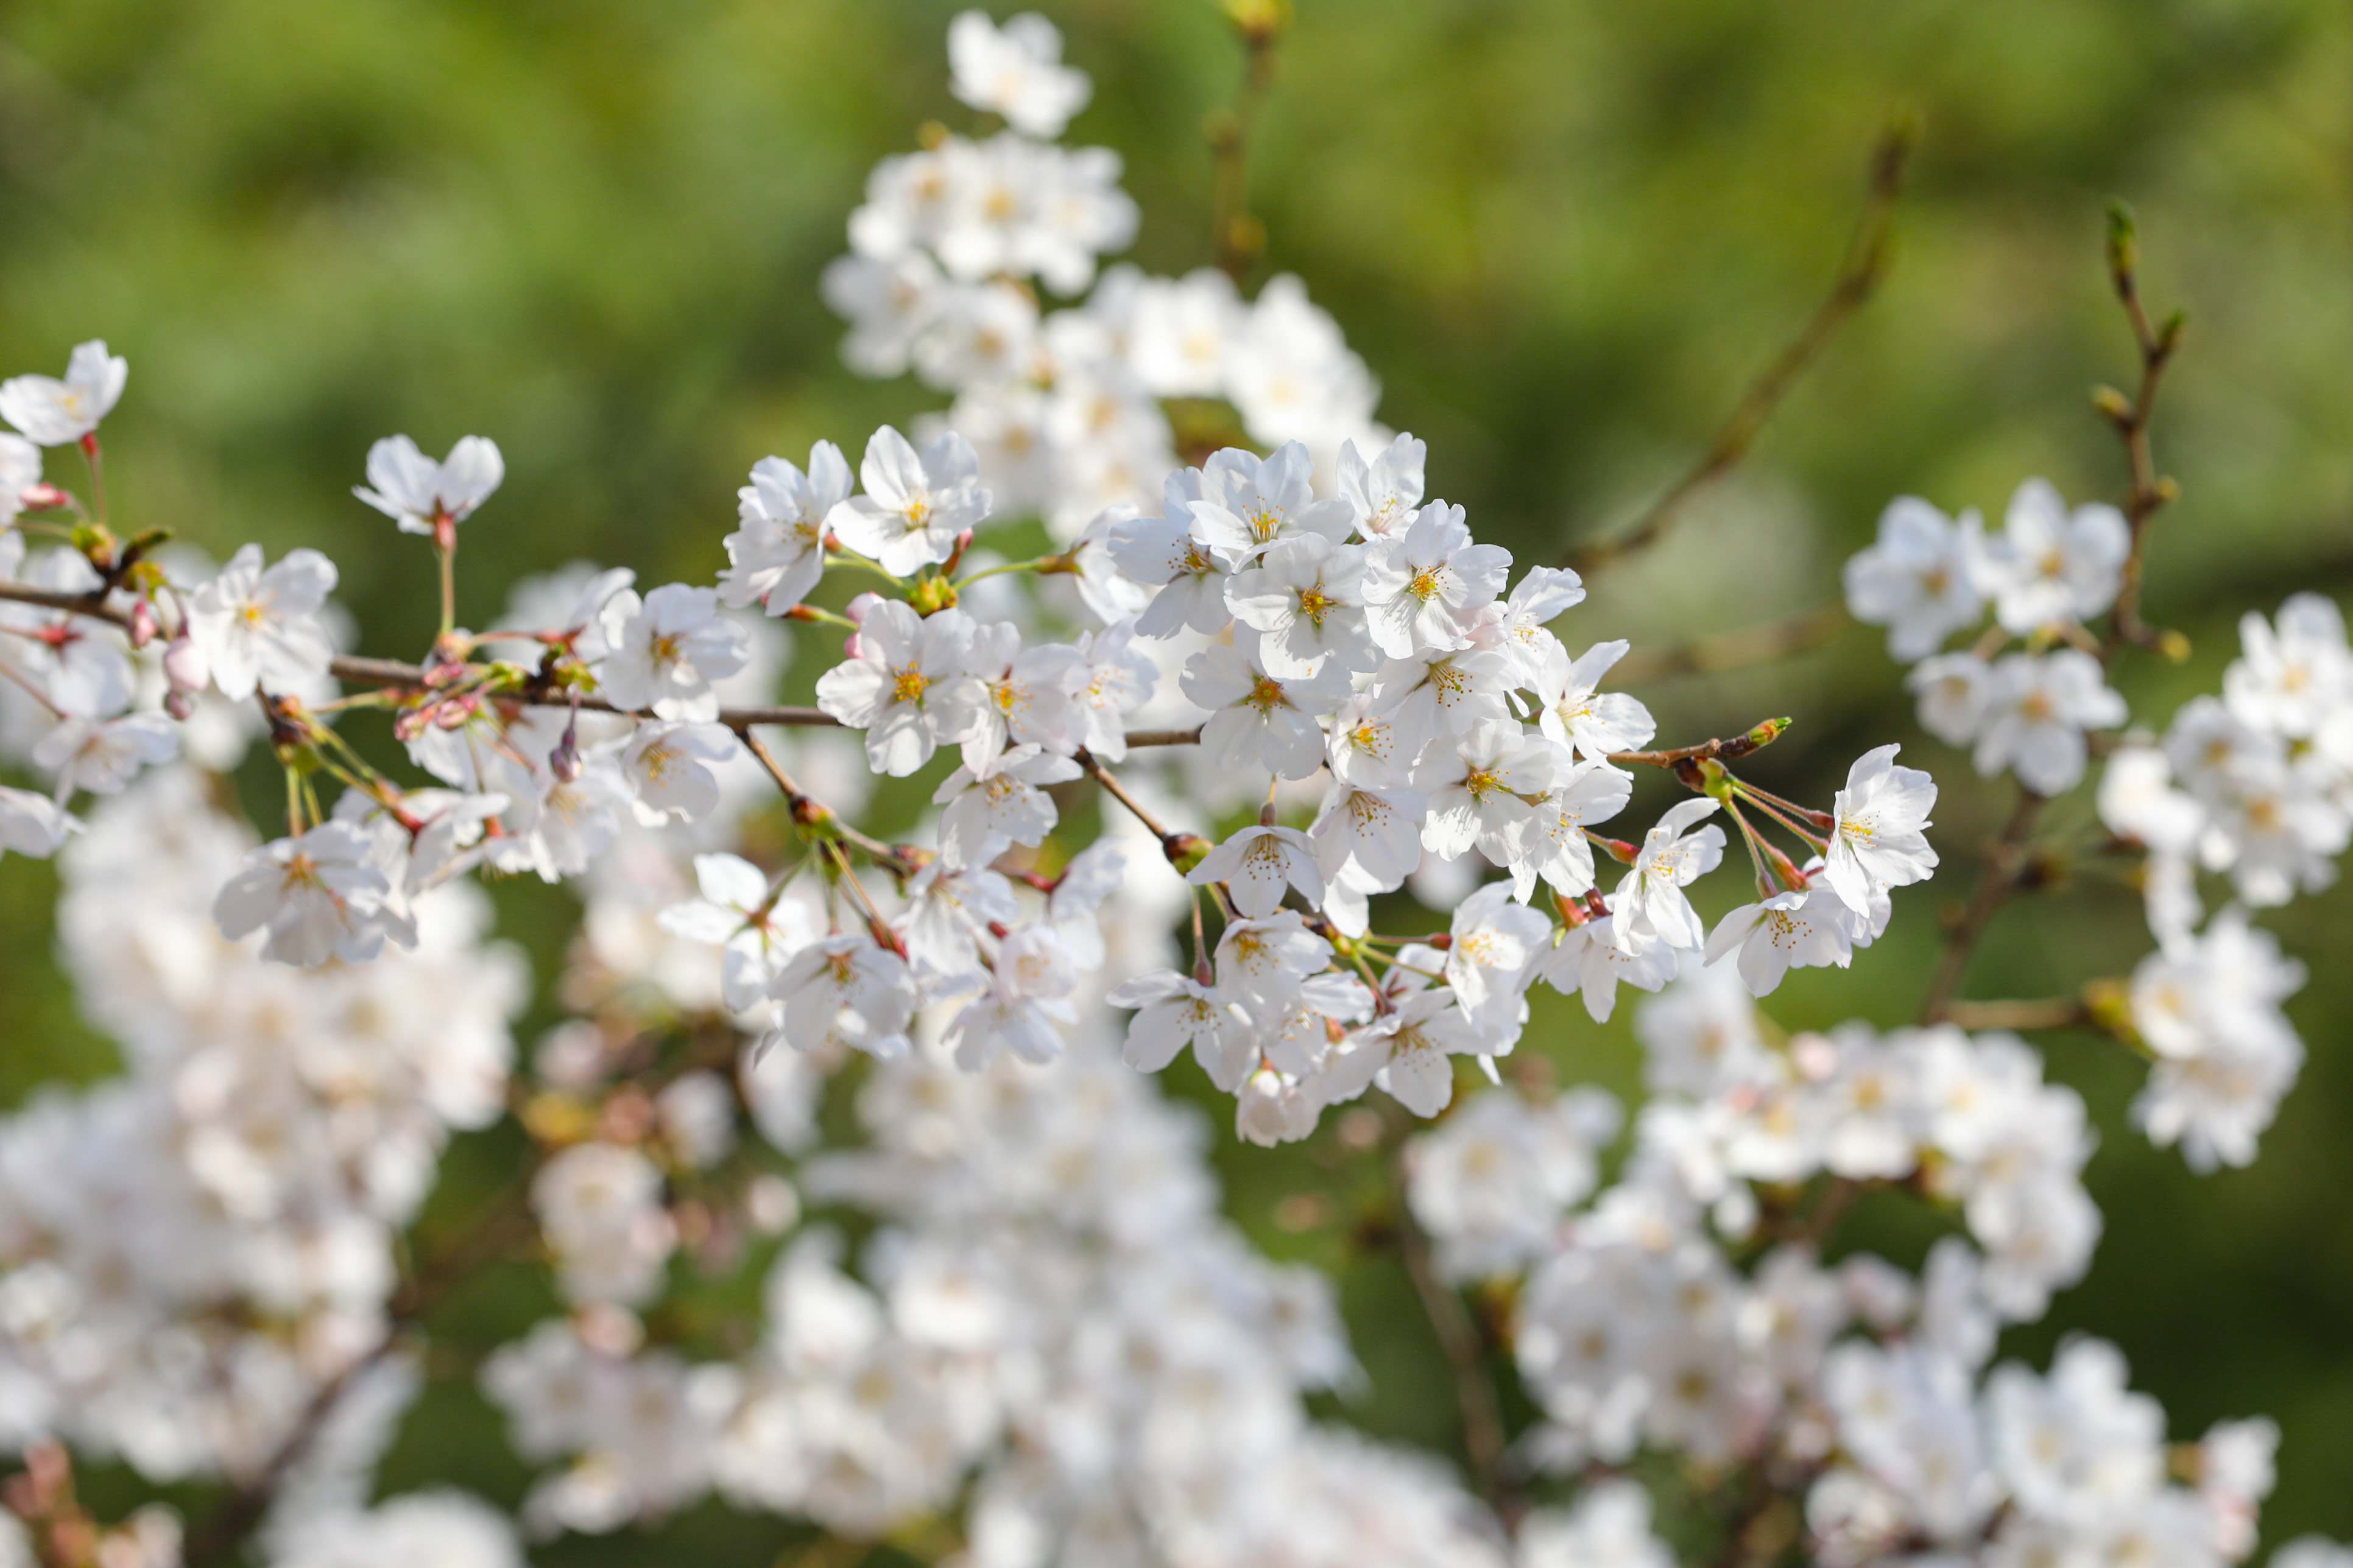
<point x="565" y="761"/>
<point x="144" y="628"/>
<point x="185" y="667"/>
<point x="179" y="705"/>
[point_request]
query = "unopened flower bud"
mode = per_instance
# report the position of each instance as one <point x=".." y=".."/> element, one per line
<point x="179" y="705"/>
<point x="565" y="761"/>
<point x="144" y="628"/>
<point x="185" y="667"/>
<point x="43" y="497"/>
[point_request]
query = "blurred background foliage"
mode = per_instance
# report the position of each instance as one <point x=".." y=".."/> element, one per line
<point x="1565" y="233"/>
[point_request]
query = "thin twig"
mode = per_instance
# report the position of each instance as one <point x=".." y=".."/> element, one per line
<point x="1737" y="649"/>
<point x="2147" y="493"/>
<point x="1865" y="264"/>
<point x="1236" y="238"/>
<point x="1484" y="1439"/>
<point x="391" y="672"/>
<point x="2041" y="1013"/>
<point x="1721" y="750"/>
<point x="2004" y="861"/>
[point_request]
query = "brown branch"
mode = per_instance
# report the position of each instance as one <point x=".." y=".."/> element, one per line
<point x="391" y="672"/>
<point x="1858" y="278"/>
<point x="1484" y="1437"/>
<point x="2148" y="492"/>
<point x="2042" y="1013"/>
<point x="1723" y="750"/>
<point x="2004" y="861"/>
<point x="1737" y="649"/>
<point x="1236" y="238"/>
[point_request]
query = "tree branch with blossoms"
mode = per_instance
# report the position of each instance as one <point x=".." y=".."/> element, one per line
<point x="889" y="1070"/>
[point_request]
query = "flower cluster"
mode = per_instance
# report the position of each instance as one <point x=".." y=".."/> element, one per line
<point x="1185" y="782"/>
<point x="1072" y="410"/>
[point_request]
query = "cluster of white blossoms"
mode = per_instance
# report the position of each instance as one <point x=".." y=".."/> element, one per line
<point x="875" y="1061"/>
<point x="1067" y="410"/>
<point x="2255" y="785"/>
<point x="1659" y="1316"/>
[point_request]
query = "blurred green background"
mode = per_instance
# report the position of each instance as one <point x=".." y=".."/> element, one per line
<point x="1564" y="235"/>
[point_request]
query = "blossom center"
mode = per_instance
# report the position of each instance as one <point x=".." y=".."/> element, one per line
<point x="908" y="685"/>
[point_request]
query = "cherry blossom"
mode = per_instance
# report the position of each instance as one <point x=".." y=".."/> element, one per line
<point x="914" y="505"/>
<point x="1920" y="580"/>
<point x="317" y="897"/>
<point x="260" y="629"/>
<point x="1016" y="70"/>
<point x="423" y="496"/>
<point x="909" y="684"/>
<point x="1257" y="863"/>
<point x="778" y="555"/>
<point x="53" y="413"/>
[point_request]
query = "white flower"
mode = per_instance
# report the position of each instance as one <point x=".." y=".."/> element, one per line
<point x="1573" y="711"/>
<point x="1247" y="503"/>
<point x="1027" y="998"/>
<point x="1650" y="901"/>
<point x="1016" y="72"/>
<point x="1953" y="688"/>
<point x="20" y="470"/>
<point x="778" y="555"/>
<point x="663" y="651"/>
<point x="2137" y="801"/>
<point x="910" y="685"/>
<point x="1174" y="1012"/>
<point x="1367" y="747"/>
<point x="319" y="897"/>
<point x="1257" y="863"/>
<point x="102" y="755"/>
<point x="1180" y="329"/>
<point x="1386" y="493"/>
<point x="663" y="767"/>
<point x="1257" y="721"/>
<point x="424" y="496"/>
<point x="755" y="929"/>
<point x="2036" y="713"/>
<point x="1479" y="787"/>
<point x="1115" y="680"/>
<point x="1411" y="1047"/>
<point x="32" y="825"/>
<point x="600" y="1212"/>
<point x="844" y="990"/>
<point x="1551" y="843"/>
<point x="2208" y="1008"/>
<point x="53" y="413"/>
<point x="1920" y="580"/>
<point x="2292" y="679"/>
<point x="947" y="908"/>
<point x="558" y="827"/>
<point x="1537" y="600"/>
<point x="1591" y="959"/>
<point x="259" y="628"/>
<point x="1788" y="930"/>
<point x="999" y="804"/>
<point x="1029" y="695"/>
<point x="1443" y="692"/>
<point x="2048" y="564"/>
<point x="914" y="506"/>
<point x="890" y="302"/>
<point x="1492" y="958"/>
<point x="1168" y="552"/>
<point x="1424" y="583"/>
<point x="1305" y="598"/>
<point x="1876" y="835"/>
<point x="1369" y="839"/>
<point x="1259" y="962"/>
